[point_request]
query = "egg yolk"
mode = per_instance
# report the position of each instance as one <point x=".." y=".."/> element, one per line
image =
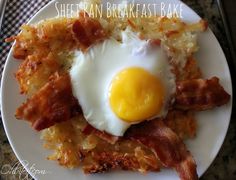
<point x="136" y="95"/>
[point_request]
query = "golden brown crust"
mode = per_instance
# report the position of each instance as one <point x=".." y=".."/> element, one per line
<point x="39" y="48"/>
<point x="189" y="71"/>
<point x="73" y="148"/>
<point x="106" y="161"/>
<point x="53" y="103"/>
<point x="45" y="49"/>
<point x="102" y="155"/>
<point x="34" y="72"/>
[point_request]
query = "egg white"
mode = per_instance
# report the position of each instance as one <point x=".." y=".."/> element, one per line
<point x="92" y="73"/>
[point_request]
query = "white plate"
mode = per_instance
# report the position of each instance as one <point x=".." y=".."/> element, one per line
<point x="212" y="125"/>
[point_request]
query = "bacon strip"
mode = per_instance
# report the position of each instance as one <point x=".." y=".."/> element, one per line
<point x="101" y="134"/>
<point x="87" y="31"/>
<point x="166" y="145"/>
<point x="53" y="103"/>
<point x="200" y="94"/>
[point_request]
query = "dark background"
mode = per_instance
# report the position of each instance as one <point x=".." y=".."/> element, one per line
<point x="230" y="11"/>
<point x="224" y="166"/>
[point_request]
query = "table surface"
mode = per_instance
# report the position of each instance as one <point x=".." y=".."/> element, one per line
<point x="229" y="6"/>
<point x="224" y="166"/>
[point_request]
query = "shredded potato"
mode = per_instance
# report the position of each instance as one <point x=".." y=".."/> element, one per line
<point x="41" y="47"/>
<point x="45" y="48"/>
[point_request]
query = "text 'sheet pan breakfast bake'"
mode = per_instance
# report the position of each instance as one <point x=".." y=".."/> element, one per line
<point x="115" y="93"/>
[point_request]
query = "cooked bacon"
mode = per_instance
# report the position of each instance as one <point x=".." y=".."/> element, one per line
<point x="101" y="134"/>
<point x="87" y="31"/>
<point x="200" y="94"/>
<point x="166" y="145"/>
<point x="53" y="103"/>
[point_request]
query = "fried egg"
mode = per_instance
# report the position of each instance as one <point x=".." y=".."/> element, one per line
<point x="120" y="83"/>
